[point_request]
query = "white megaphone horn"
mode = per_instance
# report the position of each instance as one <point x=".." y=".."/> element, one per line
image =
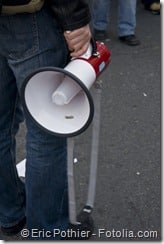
<point x="58" y="100"/>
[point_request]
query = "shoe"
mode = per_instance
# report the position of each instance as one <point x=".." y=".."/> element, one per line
<point x="13" y="230"/>
<point x="100" y="35"/>
<point x="130" y="40"/>
<point x="154" y="8"/>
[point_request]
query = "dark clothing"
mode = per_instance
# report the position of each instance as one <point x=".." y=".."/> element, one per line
<point x="69" y="14"/>
<point x="149" y="2"/>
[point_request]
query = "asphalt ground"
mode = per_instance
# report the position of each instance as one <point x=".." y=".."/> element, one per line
<point x="128" y="192"/>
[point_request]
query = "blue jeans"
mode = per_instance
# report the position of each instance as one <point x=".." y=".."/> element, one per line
<point x="27" y="42"/>
<point x="126" y="16"/>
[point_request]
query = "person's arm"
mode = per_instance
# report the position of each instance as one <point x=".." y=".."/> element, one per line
<point x="74" y="17"/>
<point x="71" y="14"/>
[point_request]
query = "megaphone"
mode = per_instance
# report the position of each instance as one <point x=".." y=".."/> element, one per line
<point x="58" y="100"/>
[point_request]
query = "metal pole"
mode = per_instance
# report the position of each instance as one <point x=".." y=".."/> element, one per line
<point x="71" y="185"/>
<point x="95" y="145"/>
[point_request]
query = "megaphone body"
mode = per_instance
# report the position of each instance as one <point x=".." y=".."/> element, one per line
<point x="58" y="100"/>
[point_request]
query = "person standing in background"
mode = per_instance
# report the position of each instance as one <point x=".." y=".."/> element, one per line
<point x="152" y="5"/>
<point x="126" y="20"/>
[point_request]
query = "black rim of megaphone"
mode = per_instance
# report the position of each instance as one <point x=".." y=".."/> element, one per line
<point x="90" y="99"/>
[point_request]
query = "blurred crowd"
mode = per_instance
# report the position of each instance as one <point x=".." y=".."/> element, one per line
<point x="126" y="19"/>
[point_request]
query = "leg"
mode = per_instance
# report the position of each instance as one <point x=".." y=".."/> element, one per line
<point x="100" y="14"/>
<point x="148" y="2"/>
<point x="127" y="22"/>
<point x="46" y="173"/>
<point x="46" y="180"/>
<point x="152" y="5"/>
<point x="126" y="17"/>
<point x="12" y="208"/>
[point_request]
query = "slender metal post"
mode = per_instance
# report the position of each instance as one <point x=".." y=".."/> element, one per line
<point x="71" y="185"/>
<point x="95" y="144"/>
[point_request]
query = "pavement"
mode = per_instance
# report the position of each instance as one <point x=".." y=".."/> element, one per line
<point x="128" y="192"/>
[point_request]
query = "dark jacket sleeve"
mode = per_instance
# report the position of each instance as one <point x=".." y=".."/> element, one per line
<point x="71" y="14"/>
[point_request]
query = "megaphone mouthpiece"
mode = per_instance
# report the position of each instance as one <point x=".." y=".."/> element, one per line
<point x="59" y="98"/>
<point x="66" y="91"/>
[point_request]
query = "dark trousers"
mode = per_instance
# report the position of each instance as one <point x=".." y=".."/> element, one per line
<point x="149" y="2"/>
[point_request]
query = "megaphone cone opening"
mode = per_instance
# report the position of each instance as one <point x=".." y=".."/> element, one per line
<point x="67" y="120"/>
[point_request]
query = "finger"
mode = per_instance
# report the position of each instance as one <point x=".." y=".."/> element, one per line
<point x="73" y="37"/>
<point x="78" y="40"/>
<point x="80" y="51"/>
<point x="78" y="43"/>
